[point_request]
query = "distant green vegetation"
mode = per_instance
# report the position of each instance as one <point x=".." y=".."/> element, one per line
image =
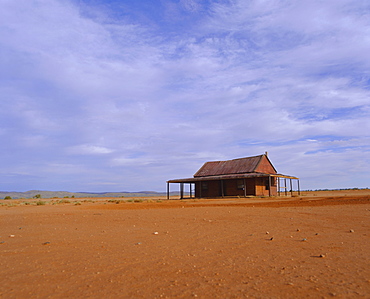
<point x="64" y="201"/>
<point x="117" y="201"/>
<point x="43" y="202"/>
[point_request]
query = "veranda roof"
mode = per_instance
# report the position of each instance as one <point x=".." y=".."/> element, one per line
<point x="229" y="177"/>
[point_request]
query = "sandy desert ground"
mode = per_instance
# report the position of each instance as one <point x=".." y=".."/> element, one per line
<point x="313" y="246"/>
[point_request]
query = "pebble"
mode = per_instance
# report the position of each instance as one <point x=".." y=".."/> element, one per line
<point x="304" y="239"/>
<point x="11" y="236"/>
<point x="267" y="233"/>
<point x="271" y="238"/>
<point x="46" y="243"/>
<point x="155" y="233"/>
<point x="351" y="231"/>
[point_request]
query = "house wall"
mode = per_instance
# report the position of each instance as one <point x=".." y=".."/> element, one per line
<point x="262" y="187"/>
<point x="213" y="189"/>
<point x="231" y="187"/>
<point x="250" y="185"/>
<point x="254" y="187"/>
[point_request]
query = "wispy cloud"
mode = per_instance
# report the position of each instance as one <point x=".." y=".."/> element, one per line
<point x="86" y="149"/>
<point x="135" y="94"/>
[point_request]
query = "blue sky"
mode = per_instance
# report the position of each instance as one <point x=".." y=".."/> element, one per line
<point x="123" y="95"/>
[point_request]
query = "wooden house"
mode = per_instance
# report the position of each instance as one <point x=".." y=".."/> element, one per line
<point x="250" y="176"/>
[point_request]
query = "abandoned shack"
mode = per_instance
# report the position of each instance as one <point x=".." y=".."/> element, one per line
<point x="250" y="176"/>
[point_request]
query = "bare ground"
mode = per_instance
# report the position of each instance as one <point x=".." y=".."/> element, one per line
<point x="314" y="246"/>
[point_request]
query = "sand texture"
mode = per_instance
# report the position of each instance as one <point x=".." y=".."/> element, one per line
<point x="314" y="246"/>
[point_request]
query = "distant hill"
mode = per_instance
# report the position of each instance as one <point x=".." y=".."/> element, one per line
<point x="62" y="194"/>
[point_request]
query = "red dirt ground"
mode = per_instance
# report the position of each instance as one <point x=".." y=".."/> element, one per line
<point x="314" y="246"/>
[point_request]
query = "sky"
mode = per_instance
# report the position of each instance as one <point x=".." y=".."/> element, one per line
<point x="123" y="95"/>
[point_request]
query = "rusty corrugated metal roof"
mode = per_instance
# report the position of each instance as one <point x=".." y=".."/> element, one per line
<point x="235" y="166"/>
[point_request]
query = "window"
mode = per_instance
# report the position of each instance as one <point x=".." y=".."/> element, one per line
<point x="240" y="184"/>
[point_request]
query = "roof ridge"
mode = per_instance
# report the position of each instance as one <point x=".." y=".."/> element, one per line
<point x="235" y="159"/>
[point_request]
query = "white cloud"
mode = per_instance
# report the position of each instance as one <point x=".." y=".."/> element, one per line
<point x="122" y="161"/>
<point x="86" y="149"/>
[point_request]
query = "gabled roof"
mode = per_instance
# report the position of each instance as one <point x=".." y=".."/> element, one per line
<point x="256" y="164"/>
